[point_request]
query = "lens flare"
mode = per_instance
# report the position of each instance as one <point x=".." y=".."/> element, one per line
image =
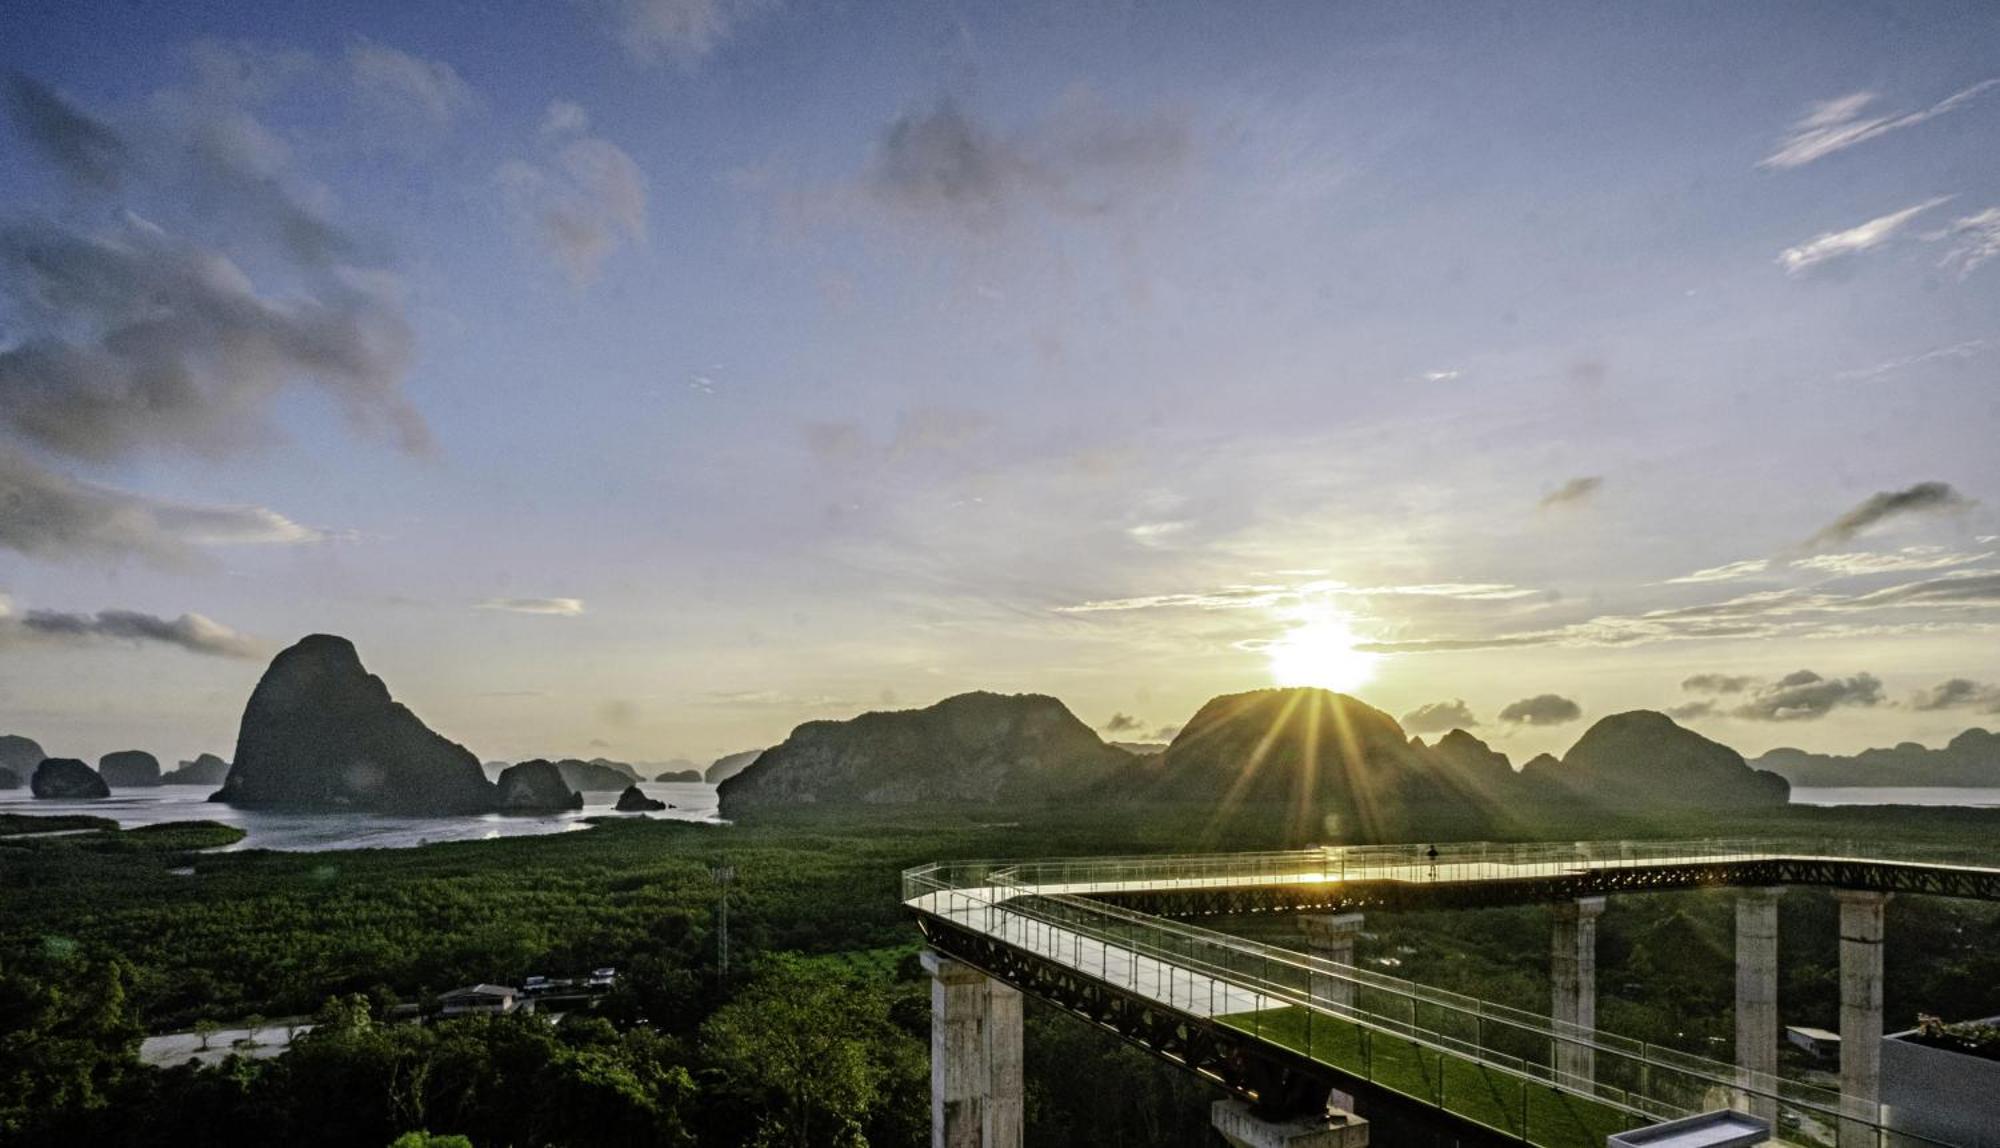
<point x="1319" y="651"/>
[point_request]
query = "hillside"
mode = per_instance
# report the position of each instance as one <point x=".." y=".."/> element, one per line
<point x="1644" y="761"/>
<point x="1970" y="760"/>
<point x="977" y="747"/>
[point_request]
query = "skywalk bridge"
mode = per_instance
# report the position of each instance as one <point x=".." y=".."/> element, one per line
<point x="1280" y="1029"/>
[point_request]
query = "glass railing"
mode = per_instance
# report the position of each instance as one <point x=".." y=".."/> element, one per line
<point x="1545" y="1082"/>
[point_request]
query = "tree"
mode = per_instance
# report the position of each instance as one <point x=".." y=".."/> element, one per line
<point x="68" y="1039"/>
<point x="205" y="1028"/>
<point x="429" y="1140"/>
<point x="806" y="1047"/>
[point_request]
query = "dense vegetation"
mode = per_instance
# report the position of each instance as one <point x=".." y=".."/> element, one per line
<point x="106" y="935"/>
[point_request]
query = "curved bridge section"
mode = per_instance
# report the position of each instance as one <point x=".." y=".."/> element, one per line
<point x="1279" y="1029"/>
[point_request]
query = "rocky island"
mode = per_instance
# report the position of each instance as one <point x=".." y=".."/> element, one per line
<point x="129" y="769"/>
<point x="321" y="732"/>
<point x="66" y="778"/>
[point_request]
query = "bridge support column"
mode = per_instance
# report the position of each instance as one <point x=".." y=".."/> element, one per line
<point x="1861" y="921"/>
<point x="975" y="1057"/>
<point x="1243" y="1128"/>
<point x="1757" y="989"/>
<point x="1573" y="985"/>
<point x="1331" y="937"/>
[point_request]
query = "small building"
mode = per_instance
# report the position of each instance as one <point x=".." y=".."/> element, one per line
<point x="478" y="999"/>
<point x="1817" y="1042"/>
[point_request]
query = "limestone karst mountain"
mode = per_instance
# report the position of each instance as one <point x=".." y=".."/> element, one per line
<point x="321" y="732"/>
<point x="977" y="747"/>
<point x="129" y="769"/>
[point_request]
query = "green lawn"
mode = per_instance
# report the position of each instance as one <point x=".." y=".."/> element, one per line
<point x="1535" y="1113"/>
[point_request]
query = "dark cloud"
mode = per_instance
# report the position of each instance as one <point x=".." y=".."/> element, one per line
<point x="1165" y="733"/>
<point x="138" y="339"/>
<point x="1960" y="693"/>
<point x="84" y="149"/>
<point x="47" y="515"/>
<point x="1574" y="491"/>
<point x="1971" y="588"/>
<point x="1083" y="158"/>
<point x="1542" y="709"/>
<point x="1805" y="696"/>
<point x="1923" y="498"/>
<point x="1438" y="717"/>
<point x="1120" y="723"/>
<point x="1693" y="711"/>
<point x="190" y="632"/>
<point x="1718" y="683"/>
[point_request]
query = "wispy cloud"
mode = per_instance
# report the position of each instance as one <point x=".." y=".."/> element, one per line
<point x="1255" y="597"/>
<point x="399" y="87"/>
<point x="191" y="632"/>
<point x="1956" y="352"/>
<point x="559" y="607"/>
<point x="1864" y="237"/>
<point x="581" y="201"/>
<point x="44" y="514"/>
<point x="1726" y="572"/>
<point x="1576" y="490"/>
<point x="683" y="31"/>
<point x="1908" y="559"/>
<point x="1923" y="498"/>
<point x="1838" y="124"/>
<point x="1972" y="241"/>
<point x="1968" y="594"/>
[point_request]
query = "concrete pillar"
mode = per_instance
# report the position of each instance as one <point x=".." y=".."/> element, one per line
<point x="1573" y="985"/>
<point x="976" y="1073"/>
<point x="1005" y="1114"/>
<point x="1331" y="937"/>
<point x="1861" y="1010"/>
<point x="1757" y="989"/>
<point x="1245" y="1129"/>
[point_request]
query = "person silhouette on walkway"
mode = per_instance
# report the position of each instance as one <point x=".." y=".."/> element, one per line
<point x="1432" y="853"/>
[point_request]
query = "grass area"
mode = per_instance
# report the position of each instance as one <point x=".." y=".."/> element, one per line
<point x="877" y="964"/>
<point x="98" y="835"/>
<point x="1534" y="1113"/>
<point x="28" y="823"/>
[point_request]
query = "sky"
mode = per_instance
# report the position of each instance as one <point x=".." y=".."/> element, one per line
<point x="645" y="377"/>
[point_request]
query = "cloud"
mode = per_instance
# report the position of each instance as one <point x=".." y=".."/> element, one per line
<point x="47" y="515"/>
<point x="1837" y="124"/>
<point x="1909" y="558"/>
<point x="1867" y="236"/>
<point x="1120" y="723"/>
<point x="1764" y="614"/>
<point x="684" y="31"/>
<point x="1266" y="596"/>
<point x="1542" y="709"/>
<point x="1806" y="696"/>
<point x="557" y="607"/>
<point x="1576" y="490"/>
<point x="138" y="339"/>
<point x="191" y="632"/>
<point x="1956" y="352"/>
<point x="1718" y="683"/>
<point x="1165" y="733"/>
<point x="1973" y="240"/>
<point x="1725" y="572"/>
<point x="82" y="148"/>
<point x="398" y="86"/>
<point x="1923" y="498"/>
<point x="1960" y="693"/>
<point x="775" y="700"/>
<point x="582" y="201"/>
<point x="1692" y="711"/>
<point x="1082" y="158"/>
<point x="1438" y="717"/>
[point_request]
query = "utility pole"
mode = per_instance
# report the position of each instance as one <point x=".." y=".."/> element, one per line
<point x="723" y="875"/>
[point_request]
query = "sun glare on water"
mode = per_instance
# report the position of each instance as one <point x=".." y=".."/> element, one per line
<point x="1319" y="651"/>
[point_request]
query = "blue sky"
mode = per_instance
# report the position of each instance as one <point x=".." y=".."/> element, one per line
<point x="646" y="376"/>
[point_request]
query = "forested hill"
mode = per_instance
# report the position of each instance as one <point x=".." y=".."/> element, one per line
<point x="1970" y="760"/>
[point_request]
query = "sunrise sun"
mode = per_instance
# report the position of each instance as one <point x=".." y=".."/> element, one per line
<point x="1320" y="651"/>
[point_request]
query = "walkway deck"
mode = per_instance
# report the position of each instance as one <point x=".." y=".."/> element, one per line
<point x="1257" y="1017"/>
